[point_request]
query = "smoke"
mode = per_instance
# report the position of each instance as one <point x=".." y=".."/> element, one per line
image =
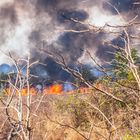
<point x="15" y="27"/>
<point x="27" y="26"/>
<point x="99" y="18"/>
<point x="121" y="5"/>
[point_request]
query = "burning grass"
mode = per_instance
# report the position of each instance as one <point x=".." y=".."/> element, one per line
<point x="56" y="89"/>
<point x="56" y="117"/>
<point x="76" y="114"/>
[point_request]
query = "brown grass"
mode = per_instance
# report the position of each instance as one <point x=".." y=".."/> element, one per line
<point x="55" y="119"/>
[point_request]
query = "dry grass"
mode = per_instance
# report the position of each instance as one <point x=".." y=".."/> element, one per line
<point x="60" y="117"/>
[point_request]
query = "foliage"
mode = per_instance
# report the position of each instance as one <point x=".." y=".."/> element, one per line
<point x="3" y="80"/>
<point x="78" y="110"/>
<point x="131" y="137"/>
<point x="120" y="66"/>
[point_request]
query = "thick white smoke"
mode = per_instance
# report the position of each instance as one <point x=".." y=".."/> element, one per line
<point x="17" y="38"/>
<point x="99" y="17"/>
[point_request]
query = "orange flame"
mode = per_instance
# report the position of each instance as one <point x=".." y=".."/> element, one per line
<point x="56" y="89"/>
<point x="53" y="89"/>
<point x="9" y="91"/>
<point x="84" y="90"/>
<point x="32" y="91"/>
<point x="24" y="92"/>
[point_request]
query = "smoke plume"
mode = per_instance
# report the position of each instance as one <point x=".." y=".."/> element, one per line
<point x="28" y="26"/>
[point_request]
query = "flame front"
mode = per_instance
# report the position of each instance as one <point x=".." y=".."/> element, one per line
<point x="53" y="89"/>
<point x="23" y="91"/>
<point x="56" y="89"/>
